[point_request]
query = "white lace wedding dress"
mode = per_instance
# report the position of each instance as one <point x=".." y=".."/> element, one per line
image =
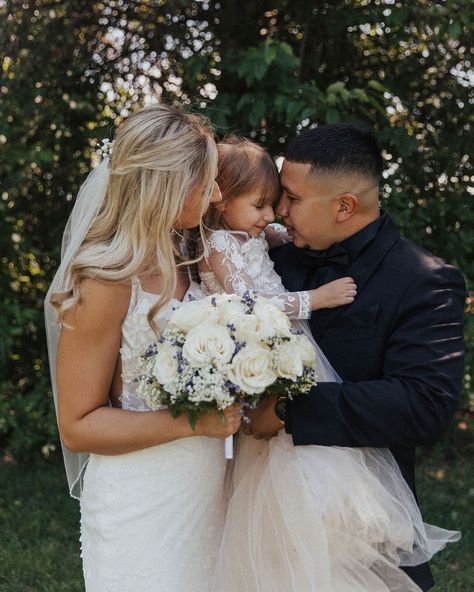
<point x="151" y="520"/>
<point x="309" y="518"/>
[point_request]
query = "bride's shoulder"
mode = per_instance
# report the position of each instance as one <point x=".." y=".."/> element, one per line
<point x="101" y="304"/>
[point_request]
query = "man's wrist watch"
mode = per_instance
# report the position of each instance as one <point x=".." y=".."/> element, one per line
<point x="280" y="409"/>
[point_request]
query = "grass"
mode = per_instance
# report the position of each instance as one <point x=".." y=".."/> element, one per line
<point x="39" y="523"/>
<point x="446" y="495"/>
<point x="39" y="530"/>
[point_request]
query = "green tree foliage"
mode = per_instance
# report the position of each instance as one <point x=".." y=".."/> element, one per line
<point x="266" y="69"/>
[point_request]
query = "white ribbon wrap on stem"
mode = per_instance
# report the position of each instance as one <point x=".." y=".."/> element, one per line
<point x="229" y="447"/>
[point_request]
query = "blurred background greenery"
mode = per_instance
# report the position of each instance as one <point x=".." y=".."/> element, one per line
<point x="72" y="70"/>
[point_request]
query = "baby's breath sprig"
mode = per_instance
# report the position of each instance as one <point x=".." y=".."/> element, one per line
<point x="104" y="148"/>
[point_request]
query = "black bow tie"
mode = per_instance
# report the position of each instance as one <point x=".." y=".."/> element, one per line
<point x="335" y="255"/>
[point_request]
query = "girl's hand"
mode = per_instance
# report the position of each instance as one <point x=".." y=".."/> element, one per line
<point x="336" y="293"/>
<point x="214" y="425"/>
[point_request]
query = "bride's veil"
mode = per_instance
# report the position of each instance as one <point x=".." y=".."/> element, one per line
<point x="88" y="203"/>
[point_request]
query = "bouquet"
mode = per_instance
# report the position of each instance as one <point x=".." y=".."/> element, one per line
<point x="221" y="350"/>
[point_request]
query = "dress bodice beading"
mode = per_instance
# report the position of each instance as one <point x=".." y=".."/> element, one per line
<point x="137" y="335"/>
<point x="236" y="262"/>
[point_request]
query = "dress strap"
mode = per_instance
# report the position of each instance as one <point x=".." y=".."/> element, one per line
<point x="136" y="286"/>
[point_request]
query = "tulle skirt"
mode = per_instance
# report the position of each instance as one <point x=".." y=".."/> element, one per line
<point x="321" y="519"/>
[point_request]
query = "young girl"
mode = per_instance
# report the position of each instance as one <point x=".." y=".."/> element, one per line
<point x="309" y="518"/>
<point x="238" y="243"/>
<point x="151" y="492"/>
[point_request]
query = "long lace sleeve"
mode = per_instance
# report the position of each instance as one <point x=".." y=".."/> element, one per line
<point x="276" y="235"/>
<point x="238" y="264"/>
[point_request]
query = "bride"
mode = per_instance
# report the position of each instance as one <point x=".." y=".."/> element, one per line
<point x="150" y="487"/>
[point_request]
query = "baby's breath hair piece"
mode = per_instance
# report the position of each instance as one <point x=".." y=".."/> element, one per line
<point x="104" y="149"/>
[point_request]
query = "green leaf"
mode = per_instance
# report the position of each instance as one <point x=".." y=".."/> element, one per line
<point x="293" y="109"/>
<point x="269" y="53"/>
<point x="360" y="94"/>
<point x="193" y="417"/>
<point x="257" y="112"/>
<point x="455" y="30"/>
<point x="333" y="116"/>
<point x="335" y="87"/>
<point x="377" y="86"/>
<point x="244" y="101"/>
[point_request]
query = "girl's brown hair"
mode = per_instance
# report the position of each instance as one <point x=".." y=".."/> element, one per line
<point x="243" y="167"/>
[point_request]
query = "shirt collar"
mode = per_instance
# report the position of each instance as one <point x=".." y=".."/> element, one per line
<point x="357" y="242"/>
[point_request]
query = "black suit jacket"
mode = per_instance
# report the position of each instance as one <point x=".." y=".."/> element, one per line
<point x="398" y="349"/>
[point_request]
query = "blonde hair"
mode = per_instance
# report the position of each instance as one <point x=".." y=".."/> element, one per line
<point x="160" y="154"/>
<point x="243" y="167"/>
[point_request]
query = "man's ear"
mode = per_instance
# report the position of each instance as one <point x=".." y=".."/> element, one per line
<point x="347" y="206"/>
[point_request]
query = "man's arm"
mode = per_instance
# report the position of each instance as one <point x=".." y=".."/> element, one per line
<point x="422" y="374"/>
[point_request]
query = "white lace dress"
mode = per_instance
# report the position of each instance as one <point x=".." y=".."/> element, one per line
<point x="151" y="520"/>
<point x="235" y="263"/>
<point x="309" y="518"/>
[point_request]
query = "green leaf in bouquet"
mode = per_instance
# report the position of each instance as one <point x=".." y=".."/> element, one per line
<point x="193" y="417"/>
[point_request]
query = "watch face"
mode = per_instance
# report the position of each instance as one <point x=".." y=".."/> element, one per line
<point x="280" y="408"/>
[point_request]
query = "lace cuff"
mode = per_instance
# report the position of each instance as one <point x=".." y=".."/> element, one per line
<point x="305" y="305"/>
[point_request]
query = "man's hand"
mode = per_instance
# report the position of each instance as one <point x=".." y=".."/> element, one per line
<point x="263" y="421"/>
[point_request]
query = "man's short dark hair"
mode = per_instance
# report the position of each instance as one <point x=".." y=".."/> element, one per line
<point x="338" y="148"/>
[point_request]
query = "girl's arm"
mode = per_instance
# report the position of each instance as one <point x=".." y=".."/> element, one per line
<point x="228" y="264"/>
<point x="276" y="235"/>
<point x="87" y="358"/>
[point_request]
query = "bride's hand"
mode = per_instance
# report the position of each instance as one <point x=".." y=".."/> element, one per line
<point x="216" y="426"/>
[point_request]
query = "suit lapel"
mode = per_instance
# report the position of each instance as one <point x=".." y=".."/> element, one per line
<point x="361" y="270"/>
<point x="292" y="266"/>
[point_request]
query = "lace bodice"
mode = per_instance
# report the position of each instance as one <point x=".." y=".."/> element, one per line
<point x="235" y="262"/>
<point x="137" y="335"/>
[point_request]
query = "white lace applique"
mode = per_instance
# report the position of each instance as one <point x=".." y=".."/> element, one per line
<point x="236" y="262"/>
<point x="253" y="254"/>
<point x="137" y="335"/>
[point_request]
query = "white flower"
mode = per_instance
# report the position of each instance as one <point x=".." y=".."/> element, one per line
<point x="165" y="368"/>
<point x="230" y="309"/>
<point x="288" y="361"/>
<point x="208" y="342"/>
<point x="252" y="369"/>
<point x="272" y="320"/>
<point x="104" y="149"/>
<point x="247" y="328"/>
<point x="191" y="314"/>
<point x="306" y="350"/>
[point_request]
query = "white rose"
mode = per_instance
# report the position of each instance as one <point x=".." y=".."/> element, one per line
<point x="206" y="343"/>
<point x="230" y="309"/>
<point x="252" y="369"/>
<point x="248" y="328"/>
<point x="288" y="361"/>
<point x="272" y="320"/>
<point x="190" y="314"/>
<point x="219" y="299"/>
<point x="306" y="350"/>
<point x="165" y="368"/>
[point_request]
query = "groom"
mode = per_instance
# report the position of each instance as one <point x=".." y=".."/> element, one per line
<point x="399" y="346"/>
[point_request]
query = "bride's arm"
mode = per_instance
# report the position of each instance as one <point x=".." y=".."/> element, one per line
<point x="87" y="357"/>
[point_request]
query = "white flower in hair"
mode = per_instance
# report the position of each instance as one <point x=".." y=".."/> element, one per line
<point x="104" y="148"/>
